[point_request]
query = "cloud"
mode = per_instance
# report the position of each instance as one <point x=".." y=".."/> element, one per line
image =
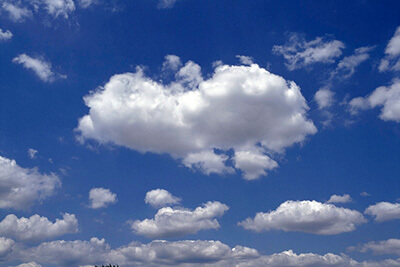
<point x="244" y="108"/>
<point x="347" y="66"/>
<point x="165" y="4"/>
<point x="365" y="194"/>
<point x="299" y="53"/>
<point x="386" y="97"/>
<point x="324" y="98"/>
<point x="41" y="68"/>
<point x="390" y="246"/>
<point x="29" y="264"/>
<point x="392" y="51"/>
<point x="306" y="216"/>
<point x="384" y="211"/>
<point x="174" y="222"/>
<point x="245" y="60"/>
<point x="346" y="198"/>
<point x="32" y="153"/>
<point x="5" y="35"/>
<point x="160" y="198"/>
<point x="253" y="163"/>
<point x="6" y="246"/>
<point x="16" y="13"/>
<point x="101" y="198"/>
<point x="20" y="188"/>
<point x="172" y="62"/>
<point x="58" y="8"/>
<point x="86" y="3"/>
<point x="36" y="227"/>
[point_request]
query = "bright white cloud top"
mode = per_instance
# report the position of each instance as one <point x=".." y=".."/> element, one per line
<point x="160" y="198"/>
<point x="36" y="227"/>
<point x="244" y="108"/>
<point x="386" y="97"/>
<point x="174" y="222"/>
<point x="346" y="198"/>
<point x="20" y="188"/>
<point x="306" y="216"/>
<point x="101" y="198"/>
<point x="324" y="98"/>
<point x="384" y="211"/>
<point x="392" y="51"/>
<point x="5" y="35"/>
<point x="299" y="53"/>
<point x="40" y="67"/>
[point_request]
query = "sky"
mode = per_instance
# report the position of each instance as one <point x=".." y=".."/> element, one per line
<point x="199" y="133"/>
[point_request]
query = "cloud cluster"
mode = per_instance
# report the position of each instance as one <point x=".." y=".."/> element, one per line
<point x="174" y="222"/>
<point x="6" y="246"/>
<point x="299" y="53"/>
<point x="384" y="211"/>
<point x="16" y="13"/>
<point x="37" y="227"/>
<point x="243" y="108"/>
<point x="20" y="187"/>
<point x="5" y="35"/>
<point x="40" y="67"/>
<point x="101" y="198"/>
<point x="388" y="98"/>
<point x="160" y="198"/>
<point x="347" y="66"/>
<point x="392" y="51"/>
<point x="306" y="216"/>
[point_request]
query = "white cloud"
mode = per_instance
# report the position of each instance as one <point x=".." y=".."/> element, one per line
<point x="164" y="4"/>
<point x="6" y="246"/>
<point x="59" y="7"/>
<point x="175" y="222"/>
<point x="392" y="51"/>
<point x="101" y="198"/>
<point x="384" y="211"/>
<point x="346" y="198"/>
<point x="306" y="216"/>
<point x="16" y="13"/>
<point x="37" y="227"/>
<point x="386" y="97"/>
<point x="160" y="198"/>
<point x="347" y="66"/>
<point x="365" y="194"/>
<point x="253" y="163"/>
<point x="29" y="264"/>
<point x="390" y="246"/>
<point x="32" y="153"/>
<point x="20" y="187"/>
<point x="172" y="62"/>
<point x="5" y="35"/>
<point x="86" y="3"/>
<point x="299" y="53"/>
<point x="245" y="60"/>
<point x="244" y="108"/>
<point x="41" y="68"/>
<point x="324" y="98"/>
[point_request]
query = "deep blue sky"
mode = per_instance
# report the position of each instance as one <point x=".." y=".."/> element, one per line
<point x="349" y="155"/>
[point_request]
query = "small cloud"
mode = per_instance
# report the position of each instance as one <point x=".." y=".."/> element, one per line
<point x="5" y="35"/>
<point x="32" y="153"/>
<point x="160" y="198"/>
<point x="101" y="198"/>
<point x="245" y="60"/>
<point x="165" y="4"/>
<point x="17" y="13"/>
<point x="346" y="198"/>
<point x="364" y="194"/>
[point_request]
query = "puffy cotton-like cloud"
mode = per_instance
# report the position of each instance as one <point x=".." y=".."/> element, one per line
<point x="346" y="198"/>
<point x="37" y="227"/>
<point x="101" y="198"/>
<point x="41" y="68"/>
<point x="245" y="60"/>
<point x="244" y="108"/>
<point x="160" y="198"/>
<point x="172" y="62"/>
<point x="175" y="222"/>
<point x="347" y="66"/>
<point x="58" y="7"/>
<point x="6" y="246"/>
<point x="21" y="188"/>
<point x="388" y="98"/>
<point x="306" y="216"/>
<point x="29" y="264"/>
<point x="16" y="13"/>
<point x="324" y="98"/>
<point x="299" y="53"/>
<point x="392" y="51"/>
<point x="253" y="163"/>
<point x="384" y="211"/>
<point x="5" y="35"/>
<point x="390" y="246"/>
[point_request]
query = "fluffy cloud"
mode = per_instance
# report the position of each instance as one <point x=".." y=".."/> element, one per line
<point x="384" y="211"/>
<point x="244" y="108"/>
<point x="37" y="227"/>
<point x="101" y="198"/>
<point x="245" y="60"/>
<point x="175" y="222"/>
<point x="29" y="264"/>
<point x="16" y="13"/>
<point x="346" y="198"/>
<point x="20" y="187"/>
<point x="390" y="246"/>
<point x="299" y="53"/>
<point x="6" y="246"/>
<point x="306" y="216"/>
<point x="172" y="62"/>
<point x="5" y="35"/>
<point x="160" y="198"/>
<point x="392" y="51"/>
<point x="324" y="98"/>
<point x="347" y="66"/>
<point x="253" y="163"/>
<point x="58" y="7"/>
<point x="41" y="68"/>
<point x="386" y="97"/>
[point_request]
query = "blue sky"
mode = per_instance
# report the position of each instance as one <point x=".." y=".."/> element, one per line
<point x="199" y="133"/>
